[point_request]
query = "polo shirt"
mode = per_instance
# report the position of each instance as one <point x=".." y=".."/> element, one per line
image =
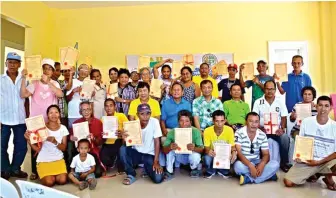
<point x="210" y="136"/>
<point x="293" y="88"/>
<point x="236" y="111"/>
<point x="170" y="109"/>
<point x="257" y="92"/>
<point x="225" y="85"/>
<point x="199" y="79"/>
<point x="153" y="104"/>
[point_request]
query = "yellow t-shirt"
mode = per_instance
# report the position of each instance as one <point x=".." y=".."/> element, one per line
<point x="154" y="105"/>
<point x="121" y="119"/>
<point x="199" y="79"/>
<point x="210" y="136"/>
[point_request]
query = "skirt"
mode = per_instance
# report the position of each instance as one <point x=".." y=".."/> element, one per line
<point x="51" y="168"/>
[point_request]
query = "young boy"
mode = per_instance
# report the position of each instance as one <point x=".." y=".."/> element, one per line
<point x="83" y="167"/>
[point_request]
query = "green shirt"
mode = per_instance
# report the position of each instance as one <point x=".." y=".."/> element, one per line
<point x="236" y="111"/>
<point x="196" y="137"/>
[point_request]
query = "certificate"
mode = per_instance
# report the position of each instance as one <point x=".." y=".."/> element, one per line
<point x="87" y="89"/>
<point x="155" y="88"/>
<point x="132" y="128"/>
<point x="37" y="126"/>
<point x="188" y="60"/>
<point x="302" y="111"/>
<point x="176" y="69"/>
<point x="183" y="137"/>
<point x="223" y="154"/>
<point x="112" y="91"/>
<point x="110" y="126"/>
<point x="81" y="131"/>
<point x="281" y="71"/>
<point x="248" y="71"/>
<point x="271" y="122"/>
<point x="68" y="57"/>
<point x="221" y="68"/>
<point x="304" y="148"/>
<point x="143" y="61"/>
<point x="34" y="67"/>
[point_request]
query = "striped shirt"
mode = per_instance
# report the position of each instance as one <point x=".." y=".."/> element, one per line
<point x="297" y="126"/>
<point x="12" y="110"/>
<point x="259" y="142"/>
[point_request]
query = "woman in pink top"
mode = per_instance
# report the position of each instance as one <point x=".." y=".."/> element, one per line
<point x="43" y="94"/>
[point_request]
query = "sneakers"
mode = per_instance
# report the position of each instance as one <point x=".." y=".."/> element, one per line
<point x="19" y="174"/>
<point x="244" y="180"/>
<point x="5" y="175"/>
<point x="83" y="185"/>
<point x="93" y="184"/>
<point x="274" y="178"/>
<point x="195" y="173"/>
<point x="208" y="175"/>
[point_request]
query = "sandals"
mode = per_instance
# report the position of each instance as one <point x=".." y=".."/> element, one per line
<point x="313" y="178"/>
<point x="168" y="176"/>
<point x="33" y="176"/>
<point x="330" y="186"/>
<point x="129" y="180"/>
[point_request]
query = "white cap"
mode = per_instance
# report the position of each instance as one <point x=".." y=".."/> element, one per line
<point x="48" y="61"/>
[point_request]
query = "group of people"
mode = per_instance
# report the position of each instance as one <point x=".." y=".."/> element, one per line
<point x="186" y="102"/>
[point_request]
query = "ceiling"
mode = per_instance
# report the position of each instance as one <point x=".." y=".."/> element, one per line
<point x="91" y="4"/>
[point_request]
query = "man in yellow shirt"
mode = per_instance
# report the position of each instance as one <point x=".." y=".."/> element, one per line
<point x="204" y="75"/>
<point x="144" y="98"/>
<point x="218" y="133"/>
<point x="109" y="153"/>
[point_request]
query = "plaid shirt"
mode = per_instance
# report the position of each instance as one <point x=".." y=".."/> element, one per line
<point x="126" y="93"/>
<point x="204" y="109"/>
<point x="62" y="101"/>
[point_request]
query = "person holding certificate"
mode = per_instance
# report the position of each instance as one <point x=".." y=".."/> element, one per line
<point x="109" y="152"/>
<point x="251" y="145"/>
<point x="165" y="77"/>
<point x="99" y="93"/>
<point x="296" y="81"/>
<point x="51" y="166"/>
<point x="147" y="153"/>
<point x="204" y="105"/>
<point x="95" y="137"/>
<point x="192" y="141"/>
<point x="323" y="130"/>
<point x="191" y="89"/>
<point x="269" y="105"/>
<point x="218" y="133"/>
<point x="126" y="93"/>
<point x="204" y="75"/>
<point x="308" y="95"/>
<point x="258" y="82"/>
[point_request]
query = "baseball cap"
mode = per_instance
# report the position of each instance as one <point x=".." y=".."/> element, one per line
<point x="48" y="61"/>
<point x="232" y="65"/>
<point x="13" y="56"/>
<point x="261" y="62"/>
<point x="144" y="108"/>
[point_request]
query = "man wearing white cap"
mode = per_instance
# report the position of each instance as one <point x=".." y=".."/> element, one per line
<point x="43" y="94"/>
<point x="12" y="118"/>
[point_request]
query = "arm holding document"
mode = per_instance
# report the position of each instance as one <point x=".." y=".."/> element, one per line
<point x="158" y="65"/>
<point x="280" y="88"/>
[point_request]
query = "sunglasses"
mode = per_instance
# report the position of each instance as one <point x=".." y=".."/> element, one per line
<point x="252" y="147"/>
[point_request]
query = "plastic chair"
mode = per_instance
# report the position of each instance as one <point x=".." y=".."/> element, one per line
<point x="7" y="189"/>
<point x="30" y="189"/>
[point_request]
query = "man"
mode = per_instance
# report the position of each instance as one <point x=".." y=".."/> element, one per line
<point x="12" y="115"/>
<point x="95" y="129"/>
<point x="135" y="77"/>
<point x="270" y="104"/>
<point x="57" y="72"/>
<point x="144" y="98"/>
<point x="147" y="153"/>
<point x="323" y="130"/>
<point x="250" y="141"/>
<point x="171" y="108"/>
<point x="218" y="133"/>
<point x="204" y="105"/>
<point x="113" y="74"/>
<point x="204" y="75"/>
<point x="296" y="81"/>
<point x="225" y="84"/>
<point x="195" y="146"/>
<point x="258" y="82"/>
<point x="236" y="109"/>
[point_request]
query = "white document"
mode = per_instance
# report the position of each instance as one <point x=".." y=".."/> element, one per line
<point x="133" y="130"/>
<point x="302" y="111"/>
<point x="38" y="128"/>
<point x="87" y="89"/>
<point x="223" y="154"/>
<point x="183" y="137"/>
<point x="81" y="131"/>
<point x="110" y="126"/>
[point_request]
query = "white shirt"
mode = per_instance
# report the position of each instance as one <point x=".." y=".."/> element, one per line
<point x="98" y="101"/>
<point x="324" y="136"/>
<point x="12" y="110"/>
<point x="151" y="131"/>
<point x="49" y="151"/>
<point x="80" y="166"/>
<point x="261" y="106"/>
<point x="73" y="105"/>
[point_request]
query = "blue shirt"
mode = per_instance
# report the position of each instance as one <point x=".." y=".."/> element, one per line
<point x="170" y="109"/>
<point x="293" y="88"/>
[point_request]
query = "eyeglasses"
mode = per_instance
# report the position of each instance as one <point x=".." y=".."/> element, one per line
<point x="252" y="147"/>
<point x="209" y="111"/>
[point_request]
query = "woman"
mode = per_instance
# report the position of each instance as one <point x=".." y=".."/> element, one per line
<point x="51" y="166"/>
<point x="145" y="75"/>
<point x="100" y="94"/>
<point x="165" y="76"/>
<point x="126" y="92"/>
<point x="191" y="89"/>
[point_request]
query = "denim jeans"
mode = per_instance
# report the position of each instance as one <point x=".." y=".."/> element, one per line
<point x="131" y="157"/>
<point x="284" y="143"/>
<point x="20" y="147"/>
<point x="269" y="170"/>
<point x="193" y="159"/>
<point x="209" y="166"/>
